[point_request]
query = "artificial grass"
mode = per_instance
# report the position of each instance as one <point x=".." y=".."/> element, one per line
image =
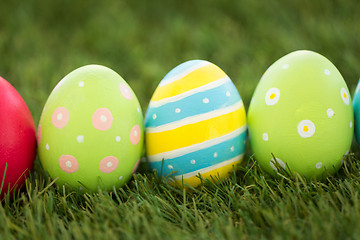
<point x="42" y="41"/>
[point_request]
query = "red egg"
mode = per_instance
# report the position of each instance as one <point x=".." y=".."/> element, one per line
<point x="17" y="139"/>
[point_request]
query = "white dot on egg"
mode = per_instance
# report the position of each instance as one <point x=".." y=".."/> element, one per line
<point x="68" y="164"/>
<point x="350" y="124"/>
<point x="118" y="138"/>
<point x="330" y="113"/>
<point x="103" y="118"/>
<point x="215" y="154"/>
<point x="109" y="164"/>
<point x="327" y="72"/>
<point x="232" y="148"/>
<point x="80" y="138"/>
<point x="285" y="66"/>
<point x="170" y="167"/>
<point x="206" y="100"/>
<point x="228" y="94"/>
<point x="47" y="146"/>
<point x="265" y="137"/>
<point x="59" y="116"/>
<point x="193" y="161"/>
<point x="178" y="110"/>
<point x="138" y="109"/>
<point x="81" y="84"/>
<point x="318" y="165"/>
<point x="121" y="177"/>
<point x="154" y="116"/>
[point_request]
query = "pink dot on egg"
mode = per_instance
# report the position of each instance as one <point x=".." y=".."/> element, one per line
<point x="68" y="163"/>
<point x="136" y="166"/>
<point x="108" y="164"/>
<point x="135" y="135"/>
<point x="39" y="135"/>
<point x="60" y="117"/>
<point x="126" y="91"/>
<point x="102" y="119"/>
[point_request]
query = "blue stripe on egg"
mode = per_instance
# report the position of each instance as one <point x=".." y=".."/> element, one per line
<point x="210" y="100"/>
<point x="202" y="158"/>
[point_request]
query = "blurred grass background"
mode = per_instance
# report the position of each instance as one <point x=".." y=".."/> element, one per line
<point x="42" y="41"/>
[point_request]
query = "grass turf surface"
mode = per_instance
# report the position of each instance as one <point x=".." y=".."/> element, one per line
<point x="42" y="41"/>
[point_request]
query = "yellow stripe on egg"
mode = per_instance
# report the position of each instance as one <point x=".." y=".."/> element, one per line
<point x="197" y="78"/>
<point x="196" y="147"/>
<point x="195" y="133"/>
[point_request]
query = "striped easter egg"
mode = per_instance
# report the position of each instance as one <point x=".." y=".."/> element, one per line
<point x="195" y="123"/>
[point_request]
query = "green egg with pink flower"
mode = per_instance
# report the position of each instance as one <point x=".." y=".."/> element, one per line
<point x="90" y="134"/>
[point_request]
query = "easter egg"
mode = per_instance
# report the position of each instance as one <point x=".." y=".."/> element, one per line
<point x="356" y="106"/>
<point x="17" y="138"/>
<point x="195" y="124"/>
<point x="300" y="116"/>
<point x="91" y="130"/>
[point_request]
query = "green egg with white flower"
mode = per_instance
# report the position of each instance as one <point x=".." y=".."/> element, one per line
<point x="300" y="117"/>
<point x="90" y="134"/>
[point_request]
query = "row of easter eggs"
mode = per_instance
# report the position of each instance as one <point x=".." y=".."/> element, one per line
<point x="91" y="130"/>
